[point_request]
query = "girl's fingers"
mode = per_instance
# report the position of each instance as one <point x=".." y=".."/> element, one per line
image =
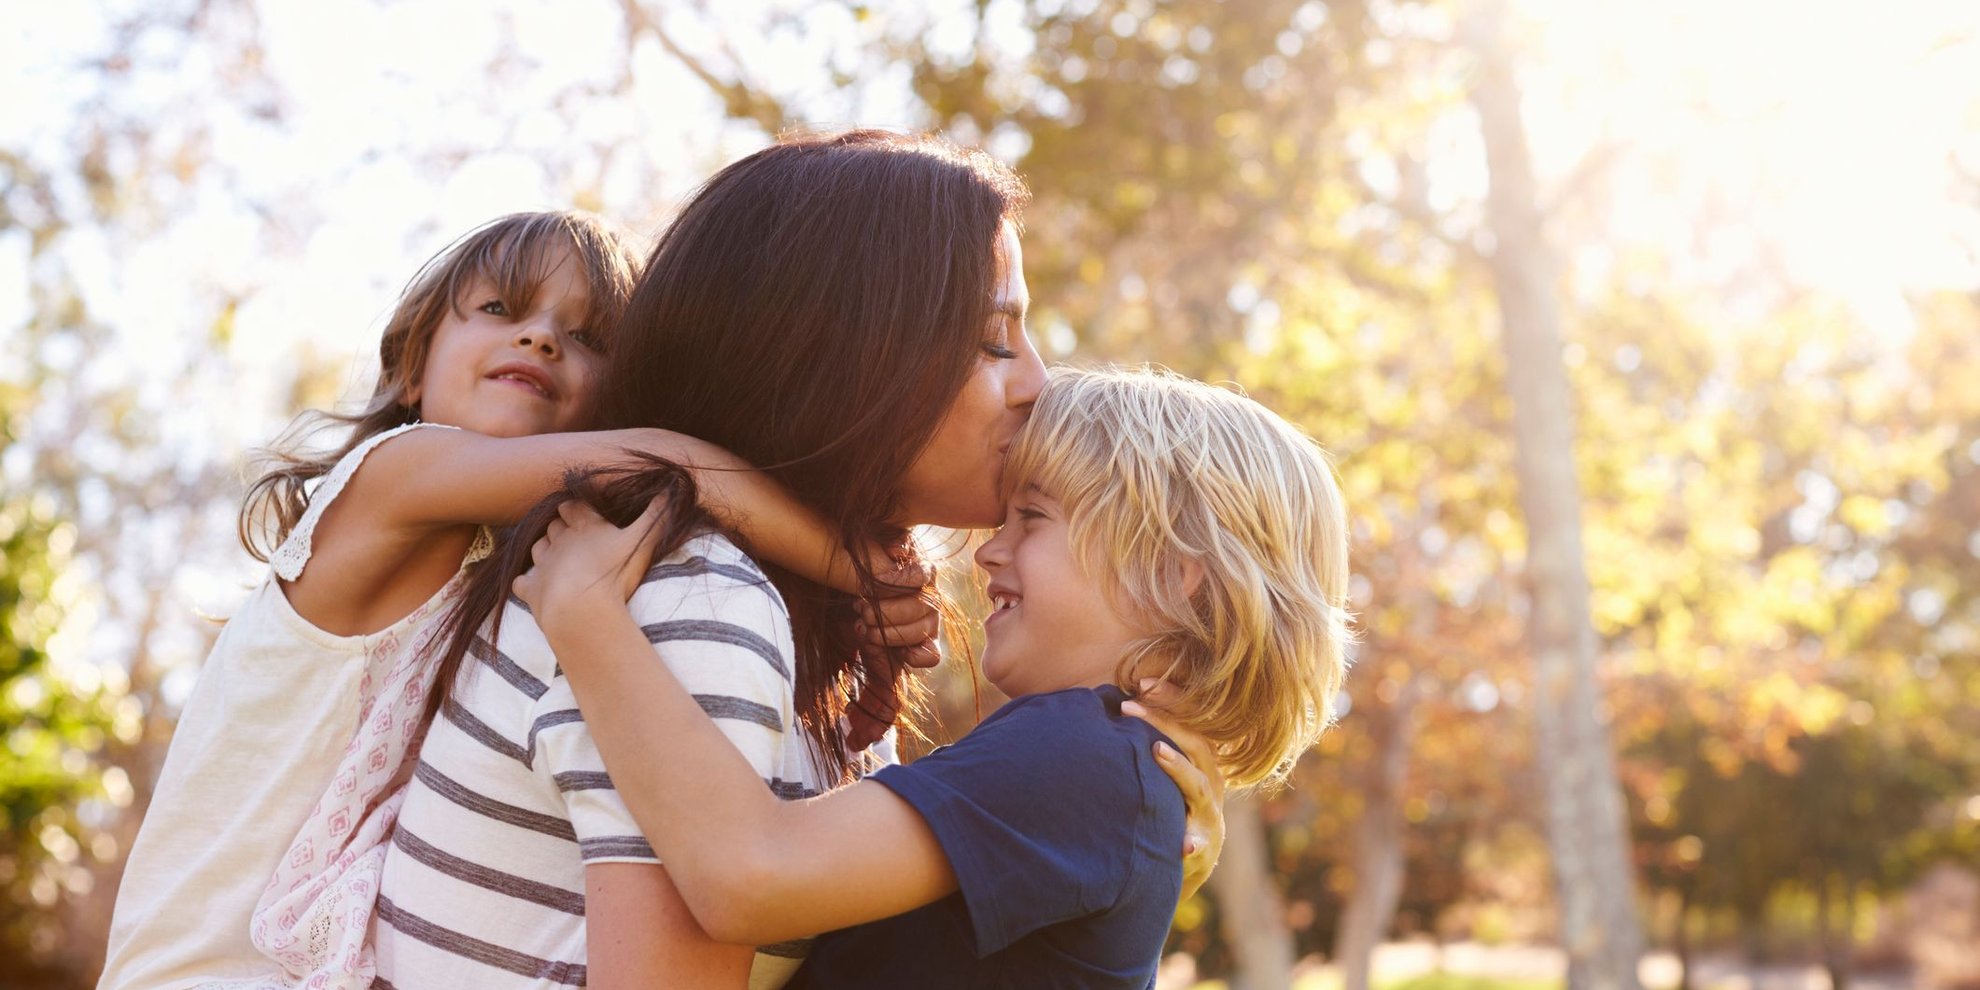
<point x="910" y="634"/>
<point x="906" y="578"/>
<point x="898" y="611"/>
<point x="923" y="656"/>
<point x="1194" y="783"/>
<point x="1197" y="753"/>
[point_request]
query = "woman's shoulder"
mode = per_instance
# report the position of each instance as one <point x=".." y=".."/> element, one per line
<point x="709" y="569"/>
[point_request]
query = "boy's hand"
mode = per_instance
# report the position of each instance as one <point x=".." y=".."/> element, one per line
<point x="584" y="563"/>
<point x="1196" y="774"/>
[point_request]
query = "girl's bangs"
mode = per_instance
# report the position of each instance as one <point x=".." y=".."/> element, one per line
<point x="516" y="258"/>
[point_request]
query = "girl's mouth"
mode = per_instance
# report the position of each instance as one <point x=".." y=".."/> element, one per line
<point x="524" y="376"/>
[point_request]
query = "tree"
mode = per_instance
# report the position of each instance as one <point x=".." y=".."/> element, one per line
<point x="55" y="717"/>
<point x="1585" y="823"/>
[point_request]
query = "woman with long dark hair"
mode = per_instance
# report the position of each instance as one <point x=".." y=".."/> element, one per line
<point x="844" y="311"/>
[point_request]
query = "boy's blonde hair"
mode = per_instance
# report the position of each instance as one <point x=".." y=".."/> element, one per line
<point x="1203" y="514"/>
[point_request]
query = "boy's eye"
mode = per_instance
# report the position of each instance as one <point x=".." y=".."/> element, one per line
<point x="494" y="307"/>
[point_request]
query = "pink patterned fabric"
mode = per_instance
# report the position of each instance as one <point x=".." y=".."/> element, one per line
<point x="316" y="911"/>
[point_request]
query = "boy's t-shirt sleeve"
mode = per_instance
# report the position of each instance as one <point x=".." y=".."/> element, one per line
<point x="1038" y="811"/>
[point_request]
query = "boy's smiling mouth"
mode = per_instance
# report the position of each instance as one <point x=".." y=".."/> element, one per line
<point x="1001" y="601"/>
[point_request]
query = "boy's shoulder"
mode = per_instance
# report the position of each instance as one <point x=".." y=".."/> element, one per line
<point x="1074" y="711"/>
<point x="1074" y="741"/>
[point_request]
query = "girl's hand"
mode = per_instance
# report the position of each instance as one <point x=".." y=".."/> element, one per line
<point x="1196" y="774"/>
<point x="584" y="563"/>
<point x="906" y="623"/>
<point x="904" y="631"/>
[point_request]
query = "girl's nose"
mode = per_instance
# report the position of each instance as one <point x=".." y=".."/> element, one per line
<point x="539" y="336"/>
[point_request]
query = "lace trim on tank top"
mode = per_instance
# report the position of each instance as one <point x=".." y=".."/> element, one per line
<point x="289" y="558"/>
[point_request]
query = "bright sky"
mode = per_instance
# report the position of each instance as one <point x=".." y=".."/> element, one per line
<point x="1829" y="128"/>
<point x="1823" y="132"/>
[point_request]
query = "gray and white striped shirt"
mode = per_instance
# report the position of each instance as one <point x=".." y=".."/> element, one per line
<point x="484" y="884"/>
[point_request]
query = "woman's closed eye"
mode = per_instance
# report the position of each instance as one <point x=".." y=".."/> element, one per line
<point x="998" y="343"/>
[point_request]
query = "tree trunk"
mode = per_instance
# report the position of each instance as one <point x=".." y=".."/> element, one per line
<point x="1376" y="848"/>
<point x="1254" y="922"/>
<point x="1681" y="939"/>
<point x="1835" y="945"/>
<point x="1586" y="831"/>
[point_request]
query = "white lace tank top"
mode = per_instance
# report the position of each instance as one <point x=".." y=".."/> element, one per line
<point x="263" y="748"/>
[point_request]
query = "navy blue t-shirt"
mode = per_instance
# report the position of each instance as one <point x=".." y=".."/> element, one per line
<point x="1066" y="838"/>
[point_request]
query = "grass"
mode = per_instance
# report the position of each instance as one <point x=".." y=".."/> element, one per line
<point x="1427" y="981"/>
<point x="1452" y="981"/>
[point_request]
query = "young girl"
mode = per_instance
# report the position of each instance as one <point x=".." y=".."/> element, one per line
<point x="318" y="688"/>
<point x="1157" y="528"/>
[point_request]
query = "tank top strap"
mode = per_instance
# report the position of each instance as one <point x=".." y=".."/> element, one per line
<point x="289" y="558"/>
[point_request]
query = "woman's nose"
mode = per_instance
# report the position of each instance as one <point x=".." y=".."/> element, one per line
<point x="1027" y="378"/>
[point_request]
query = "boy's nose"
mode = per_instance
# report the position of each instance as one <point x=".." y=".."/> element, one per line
<point x="991" y="555"/>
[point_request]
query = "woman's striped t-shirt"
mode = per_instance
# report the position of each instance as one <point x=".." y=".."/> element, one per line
<point x="484" y="884"/>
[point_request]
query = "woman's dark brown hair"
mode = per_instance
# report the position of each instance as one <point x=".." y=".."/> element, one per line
<point x="514" y="254"/>
<point x="815" y="308"/>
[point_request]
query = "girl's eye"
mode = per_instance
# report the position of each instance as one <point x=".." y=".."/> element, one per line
<point x="589" y="340"/>
<point x="494" y="307"/>
<point x="1026" y="512"/>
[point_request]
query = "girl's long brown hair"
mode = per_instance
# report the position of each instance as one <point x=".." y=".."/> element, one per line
<point x="514" y="254"/>
<point x="815" y="308"/>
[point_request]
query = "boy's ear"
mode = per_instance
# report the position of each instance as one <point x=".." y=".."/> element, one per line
<point x="1192" y="576"/>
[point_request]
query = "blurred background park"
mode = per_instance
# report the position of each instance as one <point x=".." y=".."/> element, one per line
<point x="1738" y="239"/>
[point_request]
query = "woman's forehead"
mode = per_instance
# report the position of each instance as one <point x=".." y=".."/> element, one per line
<point x="1010" y="292"/>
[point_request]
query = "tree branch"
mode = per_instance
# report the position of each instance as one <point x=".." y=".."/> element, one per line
<point x="740" y="99"/>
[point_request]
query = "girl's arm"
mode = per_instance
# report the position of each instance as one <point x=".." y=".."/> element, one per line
<point x="439" y="478"/>
<point x="752" y="868"/>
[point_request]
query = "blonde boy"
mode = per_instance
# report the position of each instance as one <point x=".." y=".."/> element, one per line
<point x="1157" y="527"/>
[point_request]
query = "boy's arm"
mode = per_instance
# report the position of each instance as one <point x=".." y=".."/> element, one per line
<point x="752" y="868"/>
<point x="443" y="477"/>
<point x="639" y="933"/>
